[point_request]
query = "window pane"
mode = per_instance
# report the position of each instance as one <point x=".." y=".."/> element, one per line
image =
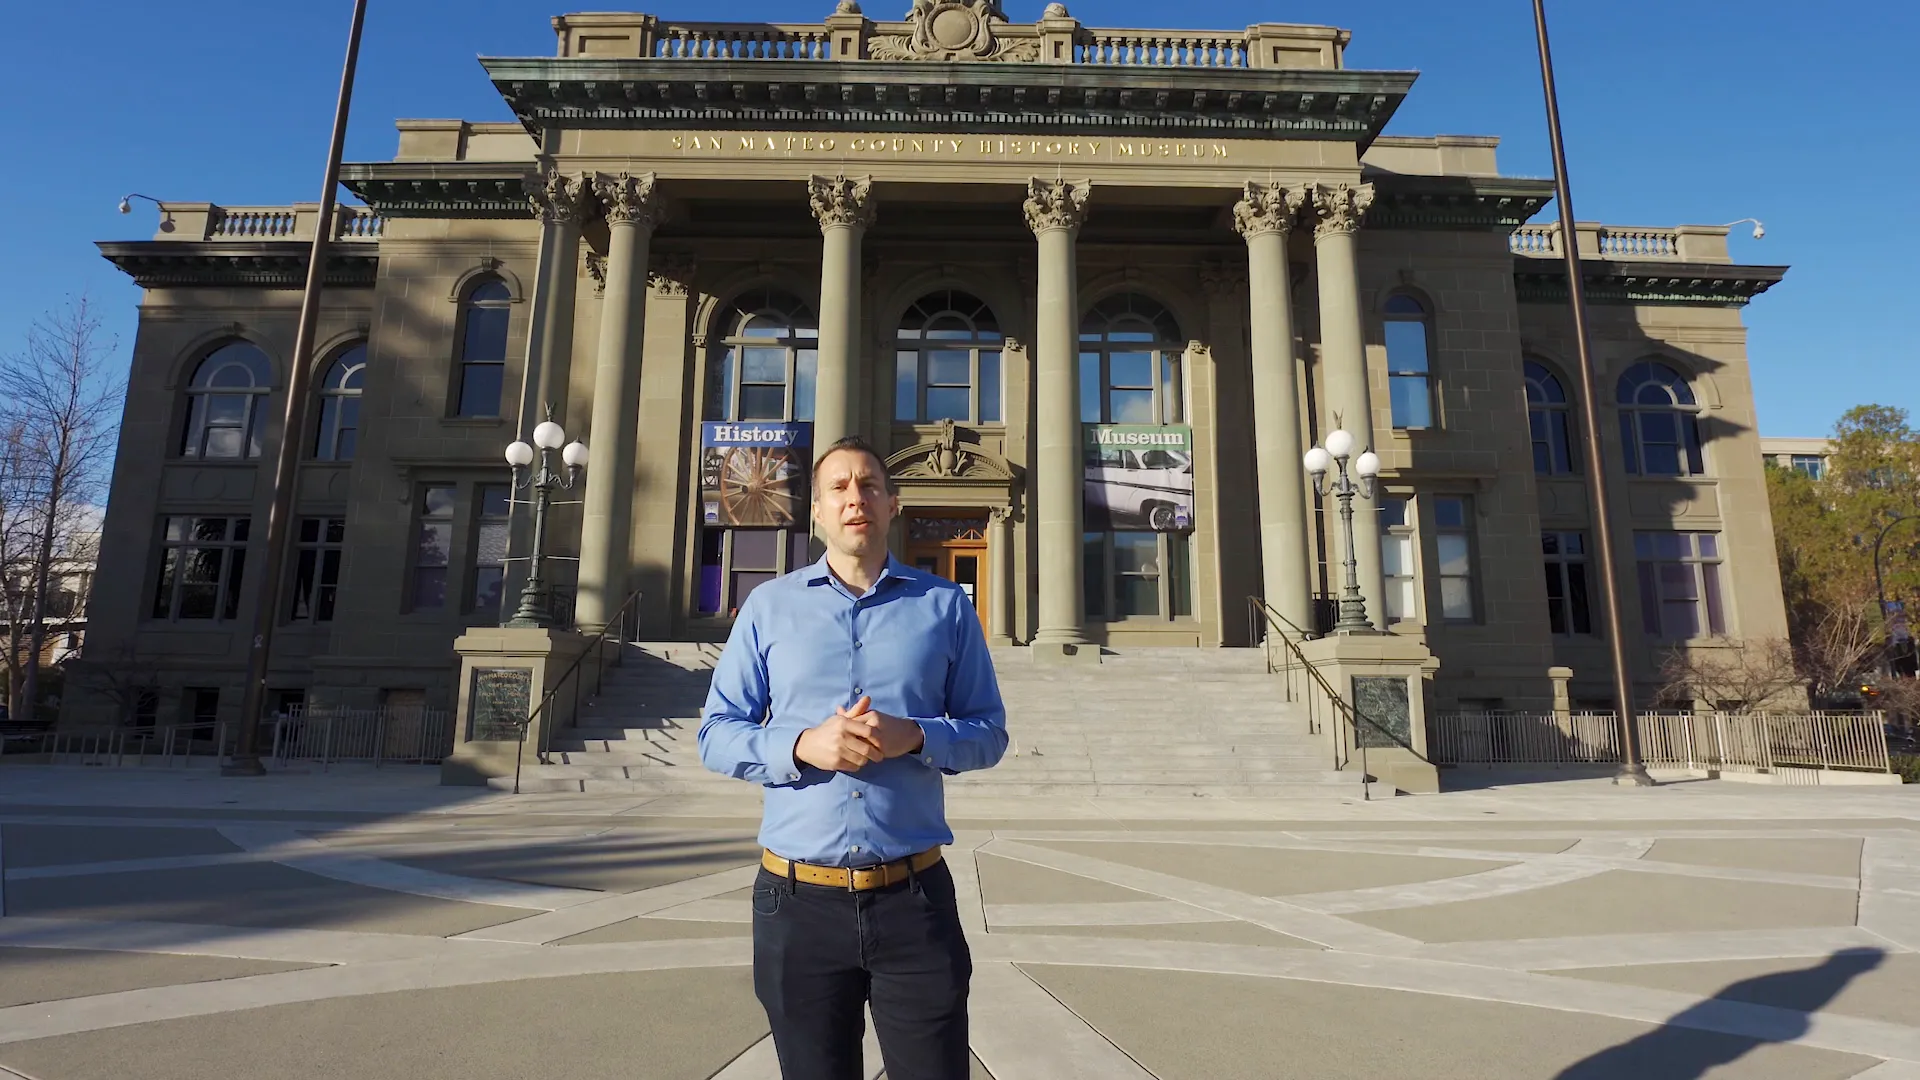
<point x="1456" y="598"/>
<point x="1629" y="444"/>
<point x="197" y="601"/>
<point x="1137" y="595"/>
<point x="1130" y="369"/>
<point x="1170" y="396"/>
<point x="1542" y="452"/>
<point x="1412" y="404"/>
<point x="429" y="588"/>
<point x="710" y="544"/>
<point x="1400" y="600"/>
<point x="163" y="585"/>
<point x="304" y="572"/>
<point x="756" y="549"/>
<point x="1136" y="553"/>
<point x="224" y="442"/>
<point x="480" y="389"/>
<point x="487" y="582"/>
<point x="1682" y="619"/>
<point x="1094" y="577"/>
<point x="1716" y="614"/>
<point x="438" y="500"/>
<point x="1396" y="555"/>
<point x="1450" y="513"/>
<point x="1677" y="582"/>
<point x="1708" y="544"/>
<point x="763" y="365"/>
<point x="1179" y="575"/>
<point x="486" y="339"/>
<point x="491" y="549"/>
<point x="493" y="500"/>
<point x="948" y="403"/>
<point x="797" y="549"/>
<point x="763" y="403"/>
<point x="949" y="367"/>
<point x="227" y="408"/>
<point x="1393" y="512"/>
<point x="806" y="370"/>
<point x="744" y="583"/>
<point x="990" y="387"/>
<point x="1130" y="407"/>
<point x="434" y="544"/>
<point x="1089" y="388"/>
<point x="720" y="386"/>
<point x="1649" y="601"/>
<point x="1452" y="549"/>
<point x="1406" y="346"/>
<point x="906" y="386"/>
<point x="1556" y="600"/>
<point x="1577" y="601"/>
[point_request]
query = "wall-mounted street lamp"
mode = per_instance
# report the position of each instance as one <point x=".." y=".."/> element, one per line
<point x="549" y="437"/>
<point x="1339" y="444"/>
<point x="1759" y="230"/>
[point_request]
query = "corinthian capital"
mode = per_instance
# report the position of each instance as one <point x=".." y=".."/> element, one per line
<point x="1265" y="208"/>
<point x="1056" y="204"/>
<point x="629" y="199"/>
<point x="838" y="200"/>
<point x="558" y="198"/>
<point x="1340" y="207"/>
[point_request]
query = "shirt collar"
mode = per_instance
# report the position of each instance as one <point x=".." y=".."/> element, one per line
<point x="819" y="573"/>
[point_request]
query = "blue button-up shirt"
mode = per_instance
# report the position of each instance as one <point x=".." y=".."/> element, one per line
<point x="805" y="645"/>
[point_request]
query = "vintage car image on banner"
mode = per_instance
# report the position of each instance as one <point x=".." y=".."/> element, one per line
<point x="1139" y="477"/>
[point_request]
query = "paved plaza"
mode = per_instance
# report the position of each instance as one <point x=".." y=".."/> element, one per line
<point x="173" y="925"/>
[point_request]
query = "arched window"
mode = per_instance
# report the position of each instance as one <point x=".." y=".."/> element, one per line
<point x="1547" y="417"/>
<point x="1659" y="422"/>
<point x="225" y="403"/>
<point x="947" y="361"/>
<point x="1130" y="349"/>
<point x="1138" y="548"/>
<point x="339" y="426"/>
<point x="765" y="368"/>
<point x="483" y="348"/>
<point x="1409" y="335"/>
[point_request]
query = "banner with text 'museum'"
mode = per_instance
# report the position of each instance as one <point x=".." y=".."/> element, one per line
<point x="1139" y="476"/>
<point x="754" y="473"/>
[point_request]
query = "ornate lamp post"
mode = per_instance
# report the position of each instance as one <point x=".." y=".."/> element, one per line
<point x="1339" y="444"/>
<point x="549" y="437"/>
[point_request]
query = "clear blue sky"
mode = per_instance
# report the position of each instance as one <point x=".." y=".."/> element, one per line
<point x="1677" y="111"/>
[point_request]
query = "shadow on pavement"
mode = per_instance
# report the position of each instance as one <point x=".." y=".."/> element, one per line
<point x="1694" y="1041"/>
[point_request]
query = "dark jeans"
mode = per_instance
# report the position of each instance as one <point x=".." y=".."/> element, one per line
<point x="820" y="954"/>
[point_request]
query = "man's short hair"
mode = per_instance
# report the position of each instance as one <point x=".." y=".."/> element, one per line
<point x="858" y="445"/>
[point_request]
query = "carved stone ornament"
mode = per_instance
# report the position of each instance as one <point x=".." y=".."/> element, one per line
<point x="1340" y="207"/>
<point x="1056" y="204"/>
<point x="953" y="30"/>
<point x="838" y="200"/>
<point x="671" y="273"/>
<point x="629" y="199"/>
<point x="1224" y="280"/>
<point x="1267" y="208"/>
<point x="558" y="198"/>
<point x="945" y="457"/>
<point x="597" y="270"/>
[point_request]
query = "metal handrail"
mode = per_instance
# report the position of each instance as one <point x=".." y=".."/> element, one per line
<point x="594" y="648"/>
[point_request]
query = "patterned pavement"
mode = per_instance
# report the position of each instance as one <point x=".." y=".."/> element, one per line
<point x="360" y="924"/>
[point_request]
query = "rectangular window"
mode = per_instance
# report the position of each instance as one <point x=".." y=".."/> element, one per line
<point x="1680" y="594"/>
<point x="201" y="563"/>
<point x="1137" y="575"/>
<point x="203" y="704"/>
<point x="1407" y="373"/>
<point x="1569" y="609"/>
<point x="1397" y="559"/>
<point x="490" y="547"/>
<point x="146" y="709"/>
<point x="1453" y="550"/>
<point x="432" y="547"/>
<point x="316" y="570"/>
<point x="1812" y="465"/>
<point x="734" y="562"/>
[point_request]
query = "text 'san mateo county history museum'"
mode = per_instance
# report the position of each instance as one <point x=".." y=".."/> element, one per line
<point x="1091" y="291"/>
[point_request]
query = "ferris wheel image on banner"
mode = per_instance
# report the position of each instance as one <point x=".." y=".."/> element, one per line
<point x="753" y="475"/>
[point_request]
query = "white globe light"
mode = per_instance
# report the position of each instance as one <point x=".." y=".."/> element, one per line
<point x="1368" y="464"/>
<point x="1317" y="460"/>
<point x="575" y="455"/>
<point x="519" y="454"/>
<point x="549" y="436"/>
<point x="1339" y="442"/>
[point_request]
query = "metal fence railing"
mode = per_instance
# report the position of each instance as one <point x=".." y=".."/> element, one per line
<point x="164" y="745"/>
<point x="398" y="735"/>
<point x="1738" y="742"/>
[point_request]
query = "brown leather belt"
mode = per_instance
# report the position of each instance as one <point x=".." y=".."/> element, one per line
<point x="857" y="879"/>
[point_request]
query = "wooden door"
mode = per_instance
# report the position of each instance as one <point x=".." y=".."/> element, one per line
<point x="961" y="561"/>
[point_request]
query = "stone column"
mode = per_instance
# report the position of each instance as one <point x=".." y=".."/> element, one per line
<point x="845" y="208"/>
<point x="1338" y="210"/>
<point x="632" y="209"/>
<point x="1000" y="573"/>
<point x="562" y="202"/>
<point x="1055" y="209"/>
<point x="1264" y="215"/>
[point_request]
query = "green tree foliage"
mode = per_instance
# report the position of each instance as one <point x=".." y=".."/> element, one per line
<point x="1825" y="531"/>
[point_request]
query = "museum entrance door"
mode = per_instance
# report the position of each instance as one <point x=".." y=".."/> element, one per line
<point x="954" y="546"/>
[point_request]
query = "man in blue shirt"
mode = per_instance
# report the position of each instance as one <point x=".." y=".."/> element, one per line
<point x="846" y="690"/>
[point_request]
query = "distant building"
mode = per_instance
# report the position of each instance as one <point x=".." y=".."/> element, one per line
<point x="1803" y="455"/>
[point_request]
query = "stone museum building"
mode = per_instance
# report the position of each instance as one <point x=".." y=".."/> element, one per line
<point x="1091" y="292"/>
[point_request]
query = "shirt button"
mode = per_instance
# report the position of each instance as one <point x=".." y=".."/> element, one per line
<point x="856" y="847"/>
<point x="857" y="691"/>
<point x="928" y="759"/>
<point x="859" y="794"/>
<point x="857" y="644"/>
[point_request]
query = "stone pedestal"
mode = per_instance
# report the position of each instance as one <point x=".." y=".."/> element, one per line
<point x="1385" y="677"/>
<point x="504" y="672"/>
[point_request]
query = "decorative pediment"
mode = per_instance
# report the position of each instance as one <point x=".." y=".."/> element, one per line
<point x="953" y="30"/>
<point x="946" y="458"/>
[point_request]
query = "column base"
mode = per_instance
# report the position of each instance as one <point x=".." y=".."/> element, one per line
<point x="1065" y="652"/>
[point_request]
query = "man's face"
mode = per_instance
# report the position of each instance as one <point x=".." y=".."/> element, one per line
<point x="851" y="504"/>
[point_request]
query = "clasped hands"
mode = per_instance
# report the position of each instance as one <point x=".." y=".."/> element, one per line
<point x="855" y="736"/>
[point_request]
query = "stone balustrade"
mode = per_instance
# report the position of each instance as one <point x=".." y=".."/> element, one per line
<point x="741" y="41"/>
<point x="215" y="223"/>
<point x="1627" y="243"/>
<point x="1161" y="48"/>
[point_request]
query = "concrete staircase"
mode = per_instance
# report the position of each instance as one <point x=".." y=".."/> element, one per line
<point x="1144" y="722"/>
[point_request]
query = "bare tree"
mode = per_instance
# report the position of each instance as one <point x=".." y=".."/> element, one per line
<point x="60" y="407"/>
<point x="1835" y="643"/>
<point x="1746" y="676"/>
<point x="123" y="679"/>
